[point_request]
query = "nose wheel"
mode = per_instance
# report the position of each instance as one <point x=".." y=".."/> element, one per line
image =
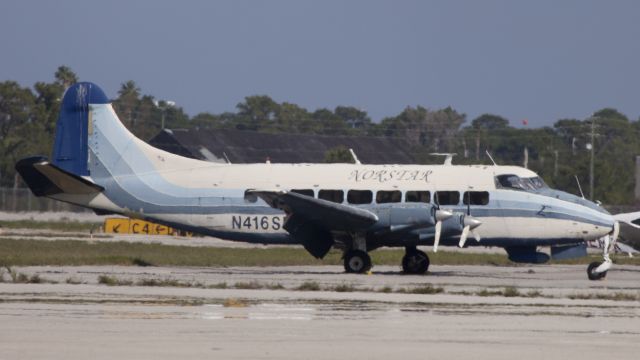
<point x="415" y="261"/>
<point x="357" y="261"/>
<point x="591" y="271"/>
<point x="598" y="270"/>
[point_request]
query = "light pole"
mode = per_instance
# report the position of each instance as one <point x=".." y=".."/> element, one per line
<point x="592" y="148"/>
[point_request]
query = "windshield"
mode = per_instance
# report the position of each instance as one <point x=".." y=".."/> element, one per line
<point x="515" y="182"/>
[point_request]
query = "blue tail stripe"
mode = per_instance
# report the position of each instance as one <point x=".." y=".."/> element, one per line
<point x="70" y="147"/>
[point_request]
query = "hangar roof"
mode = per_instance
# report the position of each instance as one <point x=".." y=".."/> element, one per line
<point x="255" y="147"/>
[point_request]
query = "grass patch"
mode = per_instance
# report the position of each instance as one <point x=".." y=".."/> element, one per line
<point x="309" y="286"/>
<point x="533" y="294"/>
<point x="510" y="291"/>
<point x="141" y="262"/>
<point x="168" y="282"/>
<point x="73" y="281"/>
<point x="617" y="296"/>
<point x="251" y="285"/>
<point x="385" y="289"/>
<point x="220" y="285"/>
<point x="113" y="281"/>
<point x="21" y="278"/>
<point x="69" y="226"/>
<point x="422" y="289"/>
<point x="233" y="302"/>
<point x="487" y="292"/>
<point x="343" y="288"/>
<point x="29" y="252"/>
<point x="275" y="286"/>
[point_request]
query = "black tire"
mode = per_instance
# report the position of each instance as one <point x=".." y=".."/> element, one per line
<point x="592" y="275"/>
<point x="415" y="262"/>
<point x="357" y="261"/>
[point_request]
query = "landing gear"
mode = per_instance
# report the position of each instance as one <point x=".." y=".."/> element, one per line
<point x="357" y="261"/>
<point x="592" y="274"/>
<point x="415" y="261"/>
<point x="598" y="270"/>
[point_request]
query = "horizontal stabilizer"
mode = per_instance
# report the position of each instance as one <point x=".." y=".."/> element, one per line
<point x="46" y="179"/>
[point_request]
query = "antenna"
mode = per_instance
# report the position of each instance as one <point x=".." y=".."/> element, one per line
<point x="448" y="157"/>
<point x="355" y="158"/>
<point x="579" y="187"/>
<point x="490" y="157"/>
<point x="226" y="157"/>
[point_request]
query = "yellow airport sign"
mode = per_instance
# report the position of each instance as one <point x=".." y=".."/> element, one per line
<point x="135" y="226"/>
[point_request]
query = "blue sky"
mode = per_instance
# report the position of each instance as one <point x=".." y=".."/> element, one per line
<point x="537" y="60"/>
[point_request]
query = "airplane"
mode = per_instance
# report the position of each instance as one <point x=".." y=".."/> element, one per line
<point x="98" y="164"/>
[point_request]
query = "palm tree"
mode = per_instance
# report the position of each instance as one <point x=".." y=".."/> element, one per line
<point x="129" y="89"/>
<point x="65" y="76"/>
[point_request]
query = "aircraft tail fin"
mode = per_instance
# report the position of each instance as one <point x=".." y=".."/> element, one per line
<point x="71" y="148"/>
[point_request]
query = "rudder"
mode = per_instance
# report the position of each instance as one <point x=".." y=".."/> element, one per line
<point x="70" y="149"/>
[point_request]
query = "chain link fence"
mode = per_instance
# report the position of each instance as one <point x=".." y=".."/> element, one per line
<point x="22" y="199"/>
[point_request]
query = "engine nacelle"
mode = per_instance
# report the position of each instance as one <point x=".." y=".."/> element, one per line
<point x="406" y="217"/>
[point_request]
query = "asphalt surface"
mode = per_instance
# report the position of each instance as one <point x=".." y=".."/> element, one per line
<point x="549" y="320"/>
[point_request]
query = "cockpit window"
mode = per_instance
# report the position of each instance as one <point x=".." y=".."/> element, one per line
<point x="538" y="183"/>
<point x="510" y="181"/>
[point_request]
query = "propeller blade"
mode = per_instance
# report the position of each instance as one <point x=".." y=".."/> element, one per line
<point x="476" y="235"/>
<point x="436" y="240"/>
<point x="463" y="237"/>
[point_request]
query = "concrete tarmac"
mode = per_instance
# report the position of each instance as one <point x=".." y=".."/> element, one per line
<point x="551" y="319"/>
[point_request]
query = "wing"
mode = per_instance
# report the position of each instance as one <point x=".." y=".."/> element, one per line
<point x="326" y="214"/>
<point x="313" y="222"/>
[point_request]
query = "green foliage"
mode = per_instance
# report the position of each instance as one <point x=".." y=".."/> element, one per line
<point x="339" y="154"/>
<point x="28" y="120"/>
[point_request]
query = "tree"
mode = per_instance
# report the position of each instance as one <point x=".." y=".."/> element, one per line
<point x="207" y="121"/>
<point x="65" y="77"/>
<point x="292" y="118"/>
<point x="610" y="113"/>
<point x="256" y="112"/>
<point x="127" y="103"/>
<point x="18" y="127"/>
<point x="489" y="122"/>
<point x="355" y="118"/>
<point x="329" y="123"/>
<point x="338" y="154"/>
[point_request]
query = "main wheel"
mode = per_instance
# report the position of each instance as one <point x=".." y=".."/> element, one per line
<point x="357" y="261"/>
<point x="592" y="274"/>
<point x="415" y="262"/>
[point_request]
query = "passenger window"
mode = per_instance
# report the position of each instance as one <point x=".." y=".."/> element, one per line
<point x="307" y="192"/>
<point x="383" y="197"/>
<point x="447" y="197"/>
<point x="417" y="196"/>
<point x="475" y="198"/>
<point x="359" y="197"/>
<point x="336" y="196"/>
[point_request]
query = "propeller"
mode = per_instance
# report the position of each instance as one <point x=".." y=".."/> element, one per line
<point x="469" y="224"/>
<point x="440" y="216"/>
